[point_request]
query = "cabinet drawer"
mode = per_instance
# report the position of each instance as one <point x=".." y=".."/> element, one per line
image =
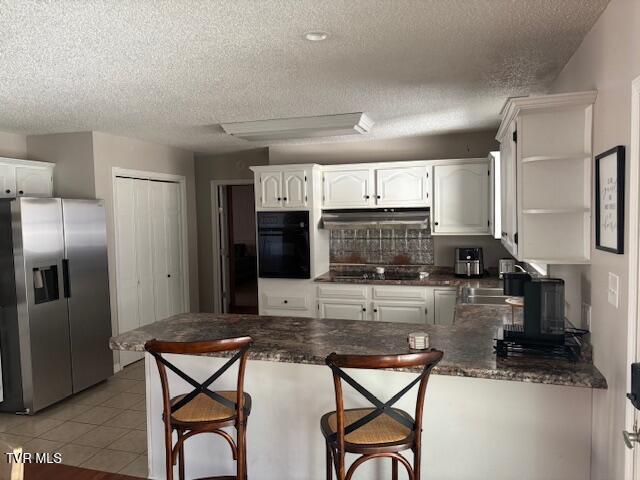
<point x="286" y="302"/>
<point x="400" y="293"/>
<point x="358" y="292"/>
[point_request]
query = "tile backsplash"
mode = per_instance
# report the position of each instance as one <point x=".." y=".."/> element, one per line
<point x="382" y="246"/>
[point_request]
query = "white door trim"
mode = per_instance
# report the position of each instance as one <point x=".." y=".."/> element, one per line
<point x="215" y="237"/>
<point x="166" y="177"/>
<point x="633" y="314"/>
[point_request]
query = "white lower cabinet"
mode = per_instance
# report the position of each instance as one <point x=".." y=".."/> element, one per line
<point x="444" y="305"/>
<point x="403" y="312"/>
<point x="288" y="298"/>
<point x="421" y="305"/>
<point x="343" y="309"/>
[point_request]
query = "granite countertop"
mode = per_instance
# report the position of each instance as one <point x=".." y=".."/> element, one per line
<point x="435" y="279"/>
<point x="467" y="345"/>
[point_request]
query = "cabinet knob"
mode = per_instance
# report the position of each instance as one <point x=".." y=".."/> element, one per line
<point x="168" y="275"/>
<point x="21" y="192"/>
<point x="364" y="309"/>
<point x="279" y="198"/>
<point x="7" y="191"/>
<point x="285" y="199"/>
<point x="435" y="223"/>
<point x="366" y="197"/>
<point x="378" y="196"/>
<point x="375" y="310"/>
<point x="285" y="301"/>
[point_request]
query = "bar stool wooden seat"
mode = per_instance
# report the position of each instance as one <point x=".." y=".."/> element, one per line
<point x="204" y="410"/>
<point x="381" y="431"/>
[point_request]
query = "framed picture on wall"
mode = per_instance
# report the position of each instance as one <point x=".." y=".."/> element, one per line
<point x="610" y="200"/>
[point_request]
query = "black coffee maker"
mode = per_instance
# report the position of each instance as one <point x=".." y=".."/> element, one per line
<point x="543" y="314"/>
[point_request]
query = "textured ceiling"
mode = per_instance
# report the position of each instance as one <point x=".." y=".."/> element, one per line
<point x="171" y="71"/>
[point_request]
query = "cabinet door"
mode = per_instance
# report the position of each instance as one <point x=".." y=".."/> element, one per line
<point x="34" y="182"/>
<point x="444" y="306"/>
<point x="461" y="198"/>
<point x="271" y="189"/>
<point x="401" y="186"/>
<point x="295" y="188"/>
<point x="7" y="181"/>
<point x="347" y="188"/>
<point x="342" y="309"/>
<point x="508" y="187"/>
<point x="400" y="312"/>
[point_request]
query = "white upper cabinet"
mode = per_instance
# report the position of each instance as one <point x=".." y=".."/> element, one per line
<point x="376" y="185"/>
<point x="25" y="178"/>
<point x="281" y="188"/>
<point x="34" y="182"/>
<point x="7" y="181"/>
<point x="270" y="189"/>
<point x="402" y="186"/>
<point x="508" y="187"/>
<point x="461" y="200"/>
<point x="347" y="188"/>
<point x="546" y="145"/>
<point x="295" y="188"/>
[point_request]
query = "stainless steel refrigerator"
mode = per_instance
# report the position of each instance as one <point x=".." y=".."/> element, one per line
<point x="55" y="319"/>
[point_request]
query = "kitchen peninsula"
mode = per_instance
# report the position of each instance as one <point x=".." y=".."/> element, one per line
<point x="478" y="408"/>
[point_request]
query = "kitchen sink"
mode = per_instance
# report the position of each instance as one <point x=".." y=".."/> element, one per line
<point x="483" y="296"/>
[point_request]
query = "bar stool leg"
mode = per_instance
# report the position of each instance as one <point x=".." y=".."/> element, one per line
<point x="394" y="469"/>
<point x="168" y="447"/>
<point x="417" y="454"/>
<point x="329" y="462"/>
<point x="240" y="461"/>
<point x="180" y="457"/>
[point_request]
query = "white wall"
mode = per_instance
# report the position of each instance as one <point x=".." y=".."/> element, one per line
<point x="429" y="147"/>
<point x="232" y="166"/>
<point x="73" y="176"/>
<point x="114" y="151"/>
<point x="13" y="145"/>
<point x="608" y="60"/>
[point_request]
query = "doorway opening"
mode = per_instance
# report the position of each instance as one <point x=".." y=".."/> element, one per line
<point x="237" y="275"/>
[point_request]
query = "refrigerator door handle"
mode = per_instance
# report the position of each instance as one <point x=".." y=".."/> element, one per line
<point x="65" y="278"/>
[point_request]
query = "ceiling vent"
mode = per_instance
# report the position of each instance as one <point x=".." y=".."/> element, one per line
<point x="301" y="127"/>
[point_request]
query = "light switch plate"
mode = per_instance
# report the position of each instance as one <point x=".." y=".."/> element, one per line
<point x="614" y="283"/>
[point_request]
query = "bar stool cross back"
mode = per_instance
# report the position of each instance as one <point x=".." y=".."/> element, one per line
<point x="382" y="431"/>
<point x="204" y="410"/>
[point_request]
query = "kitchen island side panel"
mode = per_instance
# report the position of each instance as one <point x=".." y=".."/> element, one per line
<point x="473" y="428"/>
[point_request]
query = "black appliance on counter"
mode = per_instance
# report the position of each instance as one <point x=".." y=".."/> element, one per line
<point x="283" y="245"/>
<point x="544" y="322"/>
<point x="514" y="283"/>
<point x="469" y="262"/>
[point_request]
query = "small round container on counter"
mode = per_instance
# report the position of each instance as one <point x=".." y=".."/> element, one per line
<point x="418" y="340"/>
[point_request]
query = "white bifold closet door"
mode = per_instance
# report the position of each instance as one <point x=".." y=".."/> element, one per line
<point x="150" y="278"/>
<point x="167" y="248"/>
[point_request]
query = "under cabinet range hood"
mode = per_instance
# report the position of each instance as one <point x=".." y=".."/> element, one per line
<point x="416" y="218"/>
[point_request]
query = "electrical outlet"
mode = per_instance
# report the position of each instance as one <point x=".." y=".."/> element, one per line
<point x="612" y="293"/>
<point x="586" y="316"/>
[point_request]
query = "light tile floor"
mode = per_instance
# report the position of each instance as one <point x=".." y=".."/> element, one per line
<point x="102" y="428"/>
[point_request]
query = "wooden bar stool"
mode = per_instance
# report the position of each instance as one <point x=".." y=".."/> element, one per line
<point x="382" y="431"/>
<point x="204" y="410"/>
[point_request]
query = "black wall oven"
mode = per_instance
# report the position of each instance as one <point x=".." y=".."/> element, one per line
<point x="283" y="245"/>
